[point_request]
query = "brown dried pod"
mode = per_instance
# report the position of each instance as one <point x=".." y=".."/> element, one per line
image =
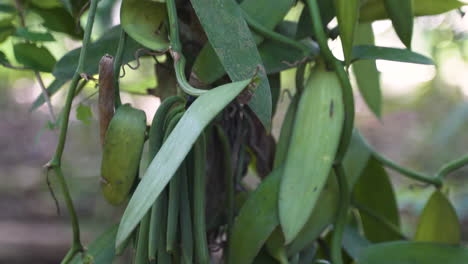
<point x="106" y="94"/>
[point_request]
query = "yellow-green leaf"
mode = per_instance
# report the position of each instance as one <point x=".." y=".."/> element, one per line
<point x="438" y="221"/>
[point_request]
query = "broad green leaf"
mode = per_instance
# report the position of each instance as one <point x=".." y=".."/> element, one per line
<point x="107" y="44"/>
<point x="34" y="57"/>
<point x="58" y="19"/>
<point x="401" y="14"/>
<point x="101" y="250"/>
<point x="369" y="52"/>
<point x="314" y="142"/>
<point x="375" y="10"/>
<point x="84" y="114"/>
<point x="34" y="36"/>
<point x="51" y="90"/>
<point x="256" y="221"/>
<point x="413" y="253"/>
<point x="237" y="50"/>
<point x="173" y="152"/>
<point x="347" y="13"/>
<point x="327" y="12"/>
<point x="374" y="191"/>
<point x="366" y="73"/>
<point x="438" y="221"/>
<point x="144" y="22"/>
<point x="323" y="215"/>
<point x="208" y="67"/>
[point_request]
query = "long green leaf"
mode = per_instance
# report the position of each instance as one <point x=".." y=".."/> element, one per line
<point x="413" y="253"/>
<point x="401" y="14"/>
<point x="173" y="152"/>
<point x="58" y="19"/>
<point x="107" y="44"/>
<point x="375" y="192"/>
<point x="369" y="52"/>
<point x="101" y="250"/>
<point x="237" y="50"/>
<point x="438" y="221"/>
<point x="257" y="219"/>
<point x="207" y="66"/>
<point x="366" y="73"/>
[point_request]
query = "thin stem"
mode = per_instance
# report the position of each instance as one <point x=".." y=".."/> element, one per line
<point x="46" y="96"/>
<point x="348" y="99"/>
<point x="385" y="222"/>
<point x="452" y="166"/>
<point x="277" y="37"/>
<point x="341" y="219"/>
<point x="117" y="64"/>
<point x="176" y="52"/>
<point x="437" y="182"/>
<point x="56" y="160"/>
<point x="76" y="246"/>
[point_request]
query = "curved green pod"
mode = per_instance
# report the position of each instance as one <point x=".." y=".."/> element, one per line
<point x="123" y="146"/>
<point x="314" y="142"/>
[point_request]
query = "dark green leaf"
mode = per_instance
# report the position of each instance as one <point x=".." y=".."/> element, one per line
<point x="34" y="57"/>
<point x="59" y="20"/>
<point x="3" y="58"/>
<point x="369" y="52"/>
<point x="6" y="8"/>
<point x="51" y="89"/>
<point x="256" y="221"/>
<point x="84" y="114"/>
<point x="107" y="44"/>
<point x="374" y="191"/>
<point x="275" y="87"/>
<point x="34" y="36"/>
<point x="413" y="253"/>
<point x="237" y="50"/>
<point x="438" y="221"/>
<point x="101" y="250"/>
<point x="143" y="21"/>
<point x="366" y="73"/>
<point x="173" y="152"/>
<point x="278" y="57"/>
<point x="401" y="14"/>
<point x="6" y="32"/>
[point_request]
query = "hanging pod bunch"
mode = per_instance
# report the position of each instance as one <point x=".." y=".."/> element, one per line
<point x="314" y="141"/>
<point x="123" y="145"/>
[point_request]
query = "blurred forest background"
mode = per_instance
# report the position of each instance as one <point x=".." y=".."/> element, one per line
<point x="424" y="124"/>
